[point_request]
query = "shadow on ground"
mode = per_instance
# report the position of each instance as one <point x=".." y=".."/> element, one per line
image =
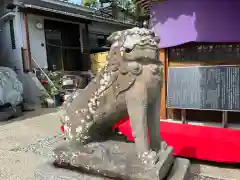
<point x="30" y="114"/>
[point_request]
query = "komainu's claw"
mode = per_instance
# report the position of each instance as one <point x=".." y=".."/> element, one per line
<point x="149" y="158"/>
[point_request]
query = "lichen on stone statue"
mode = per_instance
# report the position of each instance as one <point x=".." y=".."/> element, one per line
<point x="129" y="84"/>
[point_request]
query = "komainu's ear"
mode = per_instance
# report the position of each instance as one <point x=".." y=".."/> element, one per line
<point x="114" y="58"/>
<point x="157" y="39"/>
<point x="114" y="37"/>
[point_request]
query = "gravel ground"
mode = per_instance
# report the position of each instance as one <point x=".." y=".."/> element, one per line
<point x="42" y="147"/>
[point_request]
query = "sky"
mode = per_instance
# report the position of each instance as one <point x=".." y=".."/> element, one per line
<point x="76" y="1"/>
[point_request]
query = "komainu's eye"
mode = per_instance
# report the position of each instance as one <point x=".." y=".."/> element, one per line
<point x="127" y="50"/>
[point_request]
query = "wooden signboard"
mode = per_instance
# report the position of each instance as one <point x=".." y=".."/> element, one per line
<point x="211" y="71"/>
<point x="204" y="88"/>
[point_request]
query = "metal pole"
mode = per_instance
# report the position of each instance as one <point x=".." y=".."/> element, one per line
<point x="44" y="73"/>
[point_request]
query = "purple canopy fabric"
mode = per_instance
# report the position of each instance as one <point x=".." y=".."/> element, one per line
<point x="181" y="21"/>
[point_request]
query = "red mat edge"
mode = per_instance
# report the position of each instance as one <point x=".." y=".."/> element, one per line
<point x="198" y="142"/>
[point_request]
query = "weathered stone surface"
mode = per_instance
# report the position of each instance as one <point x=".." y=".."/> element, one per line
<point x="114" y="159"/>
<point x="129" y="84"/>
<point x="165" y="163"/>
<point x="48" y="172"/>
<point x="180" y="170"/>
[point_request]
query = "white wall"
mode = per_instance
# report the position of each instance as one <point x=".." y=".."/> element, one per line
<point x="37" y="37"/>
<point x="13" y="57"/>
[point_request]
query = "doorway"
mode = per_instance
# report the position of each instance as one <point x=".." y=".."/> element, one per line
<point x="63" y="46"/>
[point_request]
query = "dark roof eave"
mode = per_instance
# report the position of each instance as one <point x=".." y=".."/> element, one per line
<point x="68" y="11"/>
<point x="86" y="17"/>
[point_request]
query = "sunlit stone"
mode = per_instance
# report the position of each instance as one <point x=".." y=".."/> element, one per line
<point x="79" y="129"/>
<point x="66" y="118"/>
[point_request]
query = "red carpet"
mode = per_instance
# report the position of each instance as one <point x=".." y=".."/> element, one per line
<point x="199" y="142"/>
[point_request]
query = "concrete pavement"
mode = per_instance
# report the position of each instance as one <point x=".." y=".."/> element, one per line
<point x="220" y="171"/>
<point x="17" y="162"/>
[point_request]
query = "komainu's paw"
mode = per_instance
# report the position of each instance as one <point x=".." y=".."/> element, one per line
<point x="149" y="158"/>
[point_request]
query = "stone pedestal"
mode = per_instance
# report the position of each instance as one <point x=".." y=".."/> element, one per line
<point x="49" y="172"/>
<point x="114" y="160"/>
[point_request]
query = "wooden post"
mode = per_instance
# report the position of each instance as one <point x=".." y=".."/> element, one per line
<point x="183" y="116"/>
<point x="224" y="119"/>
<point x="163" y="91"/>
<point x="87" y="49"/>
<point x="27" y="61"/>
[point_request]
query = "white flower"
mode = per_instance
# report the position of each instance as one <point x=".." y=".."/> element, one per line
<point x="79" y="129"/>
<point x="85" y="137"/>
<point x="91" y="110"/>
<point x="89" y="104"/>
<point x="98" y="103"/>
<point x="102" y="81"/>
<point x="66" y="118"/>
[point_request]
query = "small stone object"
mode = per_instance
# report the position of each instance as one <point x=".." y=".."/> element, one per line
<point x="50" y="103"/>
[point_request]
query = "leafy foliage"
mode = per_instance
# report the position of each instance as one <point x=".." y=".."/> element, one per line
<point x="130" y="7"/>
<point x="56" y="78"/>
<point x="90" y="3"/>
<point x="134" y="9"/>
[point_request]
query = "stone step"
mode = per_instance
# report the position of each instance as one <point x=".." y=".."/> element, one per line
<point x="180" y="170"/>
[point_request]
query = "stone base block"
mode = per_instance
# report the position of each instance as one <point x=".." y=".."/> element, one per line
<point x="114" y="159"/>
<point x="111" y="160"/>
<point x="49" y="172"/>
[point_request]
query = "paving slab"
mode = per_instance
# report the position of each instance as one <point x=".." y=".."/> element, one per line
<point x="180" y="170"/>
<point x="226" y="172"/>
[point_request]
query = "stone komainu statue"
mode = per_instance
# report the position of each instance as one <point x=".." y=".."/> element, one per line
<point x="129" y="84"/>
